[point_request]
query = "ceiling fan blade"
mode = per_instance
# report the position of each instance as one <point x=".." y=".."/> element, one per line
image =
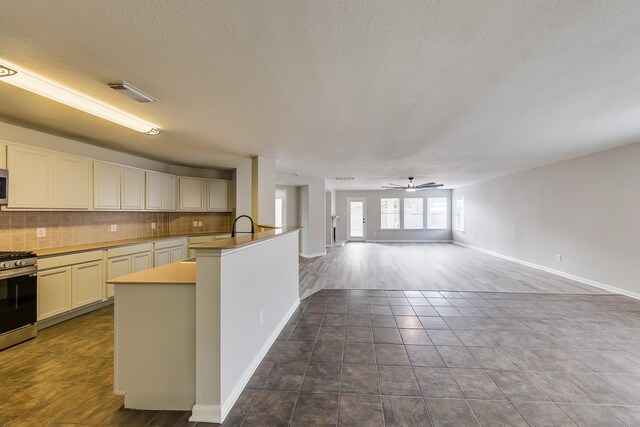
<point x="386" y="187"/>
<point x="425" y="184"/>
<point x="426" y="187"/>
<point x="396" y="185"/>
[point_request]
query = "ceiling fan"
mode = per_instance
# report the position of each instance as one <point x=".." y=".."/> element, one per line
<point x="411" y="186"/>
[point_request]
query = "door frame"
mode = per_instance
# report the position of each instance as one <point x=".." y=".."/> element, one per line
<point x="364" y="216"/>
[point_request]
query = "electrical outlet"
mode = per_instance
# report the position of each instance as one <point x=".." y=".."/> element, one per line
<point x="199" y="223"/>
<point x="558" y="257"/>
<point x="41" y="232"/>
<point x="153" y="225"/>
<point x="261" y="318"/>
<point x="195" y="223"/>
<point x="114" y="227"/>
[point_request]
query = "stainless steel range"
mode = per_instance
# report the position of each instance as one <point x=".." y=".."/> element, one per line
<point x="18" y="297"/>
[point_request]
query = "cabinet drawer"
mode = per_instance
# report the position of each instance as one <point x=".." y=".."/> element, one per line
<point x="162" y="244"/>
<point x="129" y="250"/>
<point x="62" y="260"/>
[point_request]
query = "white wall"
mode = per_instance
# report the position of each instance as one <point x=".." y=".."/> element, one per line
<point x="373" y="215"/>
<point x="263" y="177"/>
<point x="586" y="209"/>
<point x="292" y="207"/>
<point x="313" y="234"/>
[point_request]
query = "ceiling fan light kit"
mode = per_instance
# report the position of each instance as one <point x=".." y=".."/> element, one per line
<point x="63" y="95"/>
<point x="411" y="187"/>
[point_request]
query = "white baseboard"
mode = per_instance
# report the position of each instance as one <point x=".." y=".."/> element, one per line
<point x="408" y="241"/>
<point x="235" y="393"/>
<point x="205" y="413"/>
<point x="552" y="271"/>
<point x="313" y="255"/>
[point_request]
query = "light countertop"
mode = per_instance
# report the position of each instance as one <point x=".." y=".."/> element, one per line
<point x="245" y="239"/>
<point x="115" y="243"/>
<point x="176" y="273"/>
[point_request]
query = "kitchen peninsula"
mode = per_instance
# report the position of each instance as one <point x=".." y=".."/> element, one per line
<point x="189" y="335"/>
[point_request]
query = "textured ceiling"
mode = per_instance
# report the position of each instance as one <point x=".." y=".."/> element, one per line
<point x="447" y="91"/>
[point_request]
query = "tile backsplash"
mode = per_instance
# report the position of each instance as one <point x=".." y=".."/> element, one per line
<point x="18" y="229"/>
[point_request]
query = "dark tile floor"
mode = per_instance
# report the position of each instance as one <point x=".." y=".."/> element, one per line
<point x="373" y="357"/>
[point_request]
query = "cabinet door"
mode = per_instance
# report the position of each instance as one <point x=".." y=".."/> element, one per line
<point x="191" y="194"/>
<point x="71" y="182"/>
<point x="154" y="191"/>
<point x="217" y="199"/>
<point x="86" y="283"/>
<point x="177" y="253"/>
<point x="106" y="186"/>
<point x="117" y="267"/>
<point x="169" y="190"/>
<point x="132" y="191"/>
<point x="161" y="257"/>
<point x="30" y="177"/>
<point x="54" y="292"/>
<point x="140" y="262"/>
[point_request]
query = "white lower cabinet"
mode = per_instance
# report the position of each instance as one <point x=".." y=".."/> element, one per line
<point x="161" y="257"/>
<point x="66" y="282"/>
<point x="126" y="260"/>
<point x="54" y="292"/>
<point x="141" y="262"/>
<point x="86" y="283"/>
<point x="168" y="251"/>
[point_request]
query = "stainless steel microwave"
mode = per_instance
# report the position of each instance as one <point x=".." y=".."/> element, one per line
<point x="4" y="187"/>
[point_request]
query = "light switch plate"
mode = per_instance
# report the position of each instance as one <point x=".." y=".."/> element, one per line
<point x="195" y="223"/>
<point x="114" y="227"/>
<point x="153" y="225"/>
<point x="199" y="223"/>
<point x="41" y="232"/>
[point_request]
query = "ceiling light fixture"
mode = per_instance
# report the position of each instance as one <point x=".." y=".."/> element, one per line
<point x="43" y="87"/>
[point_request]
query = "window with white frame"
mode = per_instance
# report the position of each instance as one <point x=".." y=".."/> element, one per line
<point x="458" y="213"/>
<point x="281" y="208"/>
<point x="436" y="213"/>
<point x="413" y="213"/>
<point x="390" y="214"/>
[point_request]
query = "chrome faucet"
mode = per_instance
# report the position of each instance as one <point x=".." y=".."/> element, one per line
<point x="233" y="229"/>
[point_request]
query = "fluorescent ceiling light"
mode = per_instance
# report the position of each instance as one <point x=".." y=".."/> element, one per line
<point x="42" y="87"/>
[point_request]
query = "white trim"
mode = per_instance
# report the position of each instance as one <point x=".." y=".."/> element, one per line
<point x="409" y="241"/>
<point x="205" y="413"/>
<point x="235" y="393"/>
<point x="317" y="254"/>
<point x="552" y="271"/>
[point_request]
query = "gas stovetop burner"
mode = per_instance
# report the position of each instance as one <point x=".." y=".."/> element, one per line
<point x="9" y="255"/>
<point x="17" y="259"/>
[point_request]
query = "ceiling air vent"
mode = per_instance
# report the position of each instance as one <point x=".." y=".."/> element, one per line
<point x="130" y="91"/>
<point x="345" y="178"/>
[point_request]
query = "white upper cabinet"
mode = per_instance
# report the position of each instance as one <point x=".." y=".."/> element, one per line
<point x="217" y="196"/>
<point x="132" y="191"/>
<point x="191" y="194"/>
<point x="161" y="192"/>
<point x="154" y="191"/>
<point x="71" y="182"/>
<point x="169" y="190"/>
<point x="30" y="177"/>
<point x="106" y="186"/>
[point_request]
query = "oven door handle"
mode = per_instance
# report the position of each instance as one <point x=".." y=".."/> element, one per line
<point x="17" y="272"/>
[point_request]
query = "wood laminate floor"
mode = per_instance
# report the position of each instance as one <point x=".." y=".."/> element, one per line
<point x="420" y="266"/>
